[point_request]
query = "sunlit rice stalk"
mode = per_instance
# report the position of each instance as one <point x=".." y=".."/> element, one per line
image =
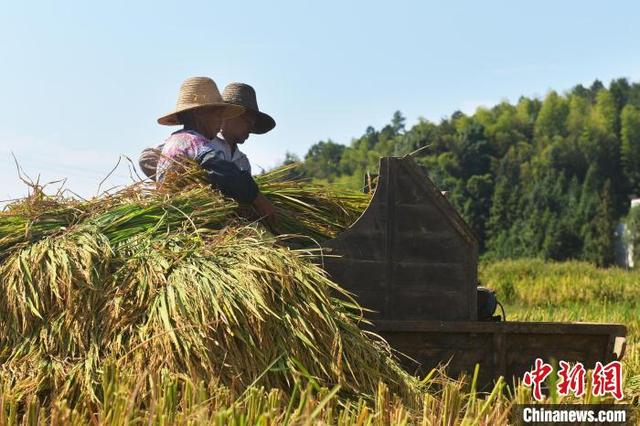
<point x="219" y="307"/>
<point x="314" y="212"/>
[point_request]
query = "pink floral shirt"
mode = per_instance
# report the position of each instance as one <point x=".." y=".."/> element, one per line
<point x="191" y="145"/>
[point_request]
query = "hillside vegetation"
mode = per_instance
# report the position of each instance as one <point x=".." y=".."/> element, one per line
<point x="545" y="178"/>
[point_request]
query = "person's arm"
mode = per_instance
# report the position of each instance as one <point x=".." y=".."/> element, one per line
<point x="228" y="178"/>
<point x="264" y="208"/>
<point x="148" y="160"/>
<point x="235" y="183"/>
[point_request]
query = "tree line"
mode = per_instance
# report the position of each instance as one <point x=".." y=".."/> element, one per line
<point x="545" y="178"/>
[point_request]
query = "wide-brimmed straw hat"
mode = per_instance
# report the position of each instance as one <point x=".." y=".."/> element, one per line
<point x="200" y="93"/>
<point x="244" y="95"/>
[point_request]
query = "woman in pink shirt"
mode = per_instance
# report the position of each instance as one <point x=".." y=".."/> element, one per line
<point x="201" y="110"/>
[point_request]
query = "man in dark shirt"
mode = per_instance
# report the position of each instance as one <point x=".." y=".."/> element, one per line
<point x="226" y="166"/>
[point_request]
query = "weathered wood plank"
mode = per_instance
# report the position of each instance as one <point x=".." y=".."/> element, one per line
<point x="409" y="223"/>
<point x="501" y="349"/>
<point x="503" y="327"/>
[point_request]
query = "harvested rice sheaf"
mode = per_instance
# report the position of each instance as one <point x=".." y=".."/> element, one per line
<point x="311" y="212"/>
<point x="180" y="282"/>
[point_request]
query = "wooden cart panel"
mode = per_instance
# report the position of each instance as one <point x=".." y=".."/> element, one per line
<point x="410" y="256"/>
<point x="506" y="349"/>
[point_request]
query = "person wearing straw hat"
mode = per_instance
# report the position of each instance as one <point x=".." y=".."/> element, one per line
<point x="236" y="130"/>
<point x="222" y="149"/>
<point x="201" y="110"/>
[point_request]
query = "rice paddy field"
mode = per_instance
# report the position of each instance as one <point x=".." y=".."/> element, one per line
<point x="173" y="305"/>
<point x="534" y="290"/>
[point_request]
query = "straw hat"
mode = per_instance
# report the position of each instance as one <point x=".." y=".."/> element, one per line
<point x="196" y="93"/>
<point x="244" y="95"/>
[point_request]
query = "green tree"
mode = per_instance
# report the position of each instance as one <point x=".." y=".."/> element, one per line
<point x="599" y="238"/>
<point x="290" y="158"/>
<point x="322" y="161"/>
<point x="473" y="151"/>
<point x="578" y="114"/>
<point x="397" y="122"/>
<point x="552" y="116"/>
<point x="595" y="88"/>
<point x="605" y="114"/>
<point x="477" y="204"/>
<point x="620" y="89"/>
<point x="630" y="148"/>
<point x="500" y="216"/>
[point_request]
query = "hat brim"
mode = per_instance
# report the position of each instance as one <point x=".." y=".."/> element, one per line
<point x="226" y="111"/>
<point x="264" y="123"/>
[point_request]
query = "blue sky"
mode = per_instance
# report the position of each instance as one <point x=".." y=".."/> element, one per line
<point x="83" y="83"/>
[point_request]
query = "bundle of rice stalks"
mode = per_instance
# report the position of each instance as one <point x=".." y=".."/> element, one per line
<point x="313" y="211"/>
<point x="181" y="282"/>
<point x="231" y="308"/>
<point x="316" y="211"/>
<point x="185" y="201"/>
<point x="36" y="216"/>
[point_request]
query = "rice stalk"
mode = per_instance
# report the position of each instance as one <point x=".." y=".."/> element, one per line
<point x="218" y="307"/>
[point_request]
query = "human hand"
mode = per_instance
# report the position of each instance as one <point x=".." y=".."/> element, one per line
<point x="265" y="209"/>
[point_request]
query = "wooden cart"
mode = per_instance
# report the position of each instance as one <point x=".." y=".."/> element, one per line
<point x="413" y="260"/>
